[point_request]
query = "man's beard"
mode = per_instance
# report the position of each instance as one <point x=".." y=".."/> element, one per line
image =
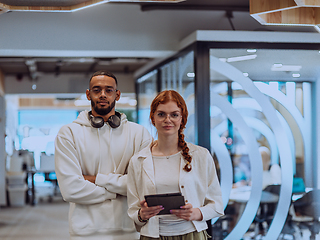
<point x="103" y="111"/>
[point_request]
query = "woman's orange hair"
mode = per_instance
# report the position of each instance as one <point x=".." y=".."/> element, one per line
<point x="167" y="96"/>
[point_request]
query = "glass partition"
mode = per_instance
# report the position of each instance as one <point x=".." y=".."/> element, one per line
<point x="176" y="75"/>
<point x="259" y="105"/>
<point x="147" y="90"/>
<point x="179" y="75"/>
<point x="260" y="134"/>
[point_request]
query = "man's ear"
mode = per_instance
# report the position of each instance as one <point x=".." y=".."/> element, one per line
<point x="88" y="94"/>
<point x="118" y="93"/>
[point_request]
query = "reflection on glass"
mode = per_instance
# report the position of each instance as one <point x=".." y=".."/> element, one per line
<point x="291" y="104"/>
<point x="179" y="75"/>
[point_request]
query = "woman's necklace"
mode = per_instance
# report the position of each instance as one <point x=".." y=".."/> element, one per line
<point x="167" y="155"/>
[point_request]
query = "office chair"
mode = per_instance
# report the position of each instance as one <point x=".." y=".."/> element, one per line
<point x="268" y="205"/>
<point x="220" y="229"/>
<point x="308" y="207"/>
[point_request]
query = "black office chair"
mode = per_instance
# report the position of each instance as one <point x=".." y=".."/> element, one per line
<point x="220" y="229"/>
<point x="267" y="209"/>
<point x="309" y="206"/>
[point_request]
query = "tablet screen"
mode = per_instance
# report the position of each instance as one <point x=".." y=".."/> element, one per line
<point x="168" y="201"/>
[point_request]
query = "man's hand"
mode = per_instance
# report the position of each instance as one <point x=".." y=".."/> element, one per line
<point x="90" y="178"/>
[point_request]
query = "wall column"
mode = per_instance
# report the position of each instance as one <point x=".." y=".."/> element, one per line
<point x="202" y="100"/>
<point x="3" y="194"/>
<point x="202" y="95"/>
<point x="316" y="134"/>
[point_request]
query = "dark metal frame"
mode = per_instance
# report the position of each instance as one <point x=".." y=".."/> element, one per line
<point x="201" y="51"/>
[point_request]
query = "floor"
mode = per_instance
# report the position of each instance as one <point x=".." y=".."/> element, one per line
<point x="44" y="221"/>
<point x="298" y="234"/>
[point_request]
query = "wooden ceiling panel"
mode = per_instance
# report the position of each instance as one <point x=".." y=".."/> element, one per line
<point x="64" y="6"/>
<point x="286" y="12"/>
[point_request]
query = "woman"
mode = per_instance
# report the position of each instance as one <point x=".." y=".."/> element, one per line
<point x="171" y="165"/>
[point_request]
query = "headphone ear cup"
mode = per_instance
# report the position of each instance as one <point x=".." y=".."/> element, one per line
<point x="96" y="122"/>
<point x="115" y="120"/>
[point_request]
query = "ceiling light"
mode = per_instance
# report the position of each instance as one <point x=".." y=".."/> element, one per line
<point x="83" y="97"/>
<point x="79" y="60"/>
<point x="224" y="139"/>
<point x="133" y="102"/>
<point x="286" y="68"/>
<point x="251" y="50"/>
<point x="277" y="65"/>
<point x="245" y="74"/>
<point x="81" y="102"/>
<point x="34" y="86"/>
<point x="241" y="58"/>
<point x="190" y="75"/>
<point x="296" y="75"/>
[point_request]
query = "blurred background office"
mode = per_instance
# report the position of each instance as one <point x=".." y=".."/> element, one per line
<point x="248" y="70"/>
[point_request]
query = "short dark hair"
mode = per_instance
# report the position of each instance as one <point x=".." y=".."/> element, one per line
<point x="104" y="73"/>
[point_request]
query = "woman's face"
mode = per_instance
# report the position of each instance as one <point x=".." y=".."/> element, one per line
<point x="167" y="118"/>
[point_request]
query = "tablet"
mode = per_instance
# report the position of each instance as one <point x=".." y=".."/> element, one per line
<point x="168" y="201"/>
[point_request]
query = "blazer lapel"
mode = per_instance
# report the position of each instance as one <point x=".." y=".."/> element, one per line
<point x="149" y="169"/>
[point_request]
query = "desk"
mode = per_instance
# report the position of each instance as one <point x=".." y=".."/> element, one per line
<point x="296" y="196"/>
<point x="242" y="195"/>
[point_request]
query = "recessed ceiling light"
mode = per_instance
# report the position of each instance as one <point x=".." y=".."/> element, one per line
<point x="190" y="74"/>
<point x="81" y="102"/>
<point x="277" y="65"/>
<point x="242" y="58"/>
<point x="251" y="50"/>
<point x="245" y="74"/>
<point x="239" y="58"/>
<point x="296" y="75"/>
<point x="133" y="102"/>
<point x="286" y="68"/>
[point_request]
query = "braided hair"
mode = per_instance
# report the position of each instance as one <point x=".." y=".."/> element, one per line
<point x="167" y="96"/>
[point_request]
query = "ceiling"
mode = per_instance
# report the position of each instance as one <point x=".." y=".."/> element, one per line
<point x="31" y="66"/>
<point x="275" y="64"/>
<point x="35" y="66"/>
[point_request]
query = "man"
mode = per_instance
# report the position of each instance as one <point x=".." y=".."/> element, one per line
<point x="91" y="159"/>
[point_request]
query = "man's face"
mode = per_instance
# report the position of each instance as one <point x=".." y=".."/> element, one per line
<point x="103" y="95"/>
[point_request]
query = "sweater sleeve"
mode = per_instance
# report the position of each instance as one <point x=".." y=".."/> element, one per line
<point x="213" y="205"/>
<point x="117" y="183"/>
<point x="133" y="197"/>
<point x="74" y="188"/>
